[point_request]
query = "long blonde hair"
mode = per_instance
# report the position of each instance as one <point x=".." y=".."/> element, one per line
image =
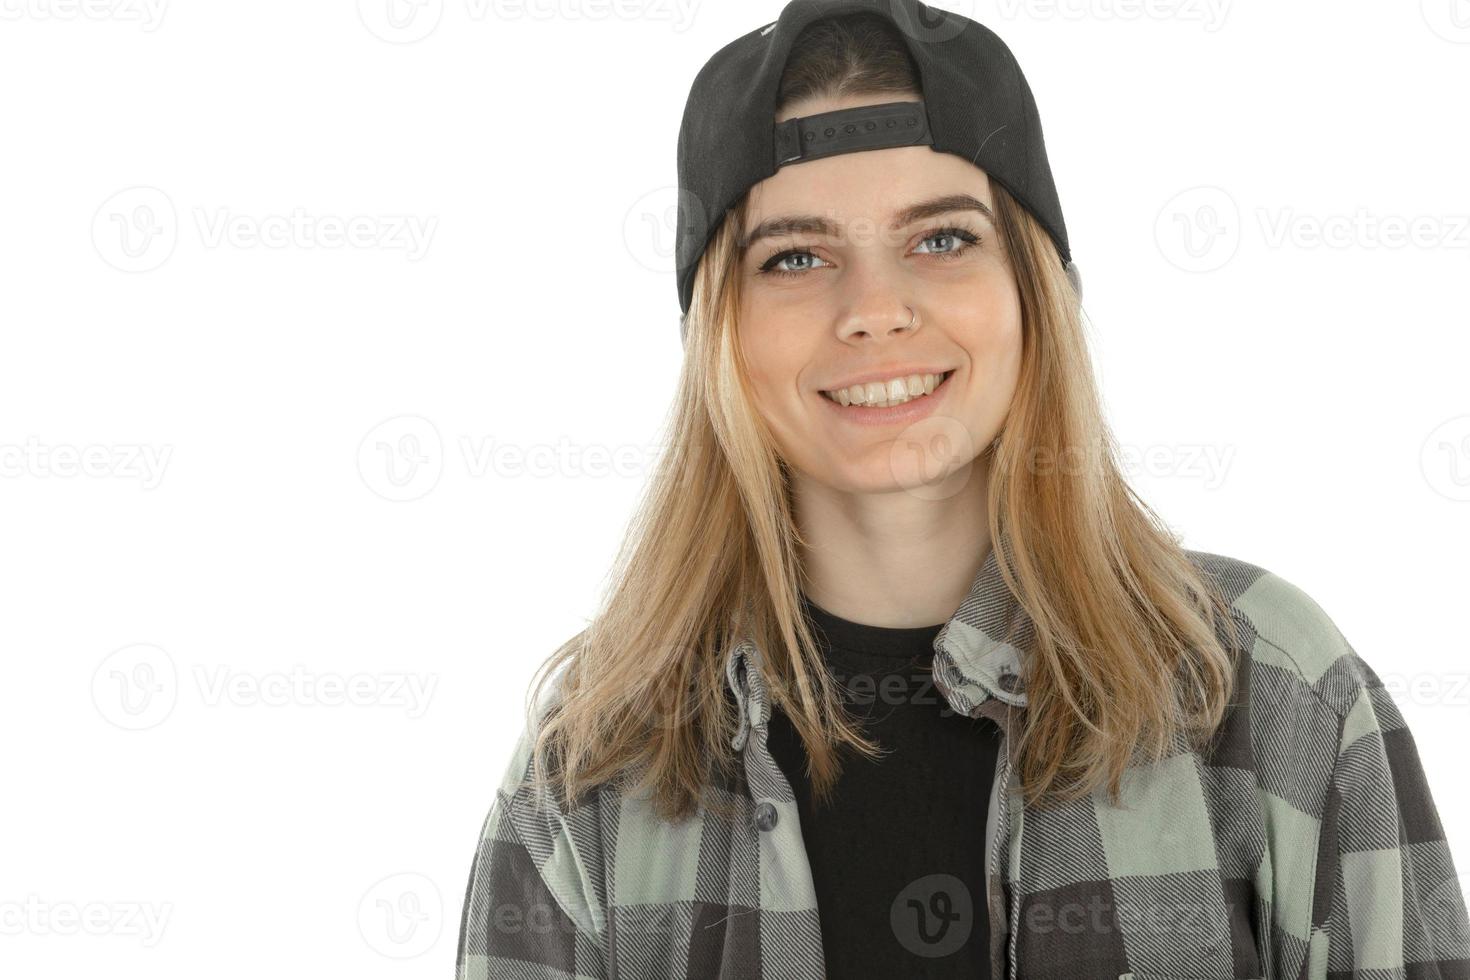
<point x="1126" y="657"/>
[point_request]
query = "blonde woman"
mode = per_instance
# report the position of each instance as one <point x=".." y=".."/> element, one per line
<point x="890" y="524"/>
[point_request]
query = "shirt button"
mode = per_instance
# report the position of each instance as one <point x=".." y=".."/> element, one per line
<point x="1009" y="682"/>
<point x="765" y="816"/>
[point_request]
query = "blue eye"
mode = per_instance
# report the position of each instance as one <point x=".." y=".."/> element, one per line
<point x="791" y="253"/>
<point x="966" y="238"/>
<point x="953" y="234"/>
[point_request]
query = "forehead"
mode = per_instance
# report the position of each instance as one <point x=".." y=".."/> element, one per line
<point x="869" y="185"/>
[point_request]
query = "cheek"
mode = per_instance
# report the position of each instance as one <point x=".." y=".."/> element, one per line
<point x="1000" y="347"/>
<point x="772" y="356"/>
<point x="993" y="347"/>
<point x="994" y="339"/>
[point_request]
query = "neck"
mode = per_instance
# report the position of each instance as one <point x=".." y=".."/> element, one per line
<point x="896" y="559"/>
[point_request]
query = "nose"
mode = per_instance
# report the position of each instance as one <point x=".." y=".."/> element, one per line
<point x="891" y="318"/>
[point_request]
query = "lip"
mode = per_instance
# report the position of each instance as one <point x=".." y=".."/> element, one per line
<point x="885" y="374"/>
<point x="906" y="414"/>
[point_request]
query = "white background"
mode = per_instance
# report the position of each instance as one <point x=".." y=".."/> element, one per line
<point x="245" y="461"/>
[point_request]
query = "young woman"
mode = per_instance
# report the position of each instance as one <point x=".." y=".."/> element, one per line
<point x="1079" y="750"/>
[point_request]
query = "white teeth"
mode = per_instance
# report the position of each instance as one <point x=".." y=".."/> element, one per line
<point x="882" y="394"/>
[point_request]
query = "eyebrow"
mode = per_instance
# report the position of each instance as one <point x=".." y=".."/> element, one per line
<point x="817" y="225"/>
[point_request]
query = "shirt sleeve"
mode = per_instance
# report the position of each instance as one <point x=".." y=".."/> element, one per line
<point x="514" y="923"/>
<point x="1387" y="900"/>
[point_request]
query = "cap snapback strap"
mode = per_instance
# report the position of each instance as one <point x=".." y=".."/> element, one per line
<point x="868" y="127"/>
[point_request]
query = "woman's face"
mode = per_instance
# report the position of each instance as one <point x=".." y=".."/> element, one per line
<point x="824" y="308"/>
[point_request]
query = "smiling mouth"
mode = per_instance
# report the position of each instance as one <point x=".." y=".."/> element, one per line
<point x="880" y="394"/>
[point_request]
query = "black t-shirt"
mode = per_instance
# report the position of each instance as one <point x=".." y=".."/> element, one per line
<point x="898" y="857"/>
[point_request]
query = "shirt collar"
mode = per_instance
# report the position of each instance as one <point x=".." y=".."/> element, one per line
<point x="971" y="662"/>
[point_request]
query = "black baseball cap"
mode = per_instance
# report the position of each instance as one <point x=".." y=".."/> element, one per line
<point x="975" y="103"/>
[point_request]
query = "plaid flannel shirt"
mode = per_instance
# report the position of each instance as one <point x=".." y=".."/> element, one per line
<point x="1303" y="843"/>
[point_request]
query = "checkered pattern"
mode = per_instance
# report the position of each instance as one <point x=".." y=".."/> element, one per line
<point x="1302" y="844"/>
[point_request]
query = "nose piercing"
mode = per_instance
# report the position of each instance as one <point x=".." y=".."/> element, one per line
<point x="912" y="317"/>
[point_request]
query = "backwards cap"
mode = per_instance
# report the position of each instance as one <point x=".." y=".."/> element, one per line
<point x="975" y="104"/>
